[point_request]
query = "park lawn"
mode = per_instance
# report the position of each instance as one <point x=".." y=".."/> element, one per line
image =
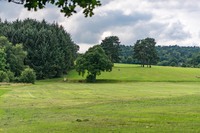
<point x="58" y="106"/>
<point x="125" y="72"/>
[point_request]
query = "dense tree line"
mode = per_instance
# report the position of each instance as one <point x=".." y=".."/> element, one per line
<point x="50" y="49"/>
<point x="178" y="56"/>
<point x="168" y="55"/>
<point x="12" y="67"/>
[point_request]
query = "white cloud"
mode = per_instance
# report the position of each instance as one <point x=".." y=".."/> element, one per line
<point x="106" y="34"/>
<point x="168" y="21"/>
<point x="84" y="47"/>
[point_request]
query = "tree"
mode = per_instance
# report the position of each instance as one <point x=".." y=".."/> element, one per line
<point x="28" y="76"/>
<point x="50" y="49"/>
<point x="145" y="52"/>
<point x="68" y="7"/>
<point x="14" y="56"/>
<point x="94" y="61"/>
<point x="195" y="61"/>
<point x="111" y="47"/>
<point x="2" y="59"/>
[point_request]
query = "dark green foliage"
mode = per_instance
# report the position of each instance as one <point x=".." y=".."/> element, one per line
<point x="68" y="7"/>
<point x="168" y="55"/>
<point x="50" y="49"/>
<point x="111" y="46"/>
<point x="2" y="59"/>
<point x="28" y="76"/>
<point x="93" y="62"/>
<point x="177" y="56"/>
<point x="15" y="59"/>
<point x="14" y="56"/>
<point x="126" y="55"/>
<point x="145" y="51"/>
<point x="195" y="61"/>
<point x="11" y="76"/>
<point x="3" y="76"/>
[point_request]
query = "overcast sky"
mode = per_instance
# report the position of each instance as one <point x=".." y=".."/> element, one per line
<point x="170" y="22"/>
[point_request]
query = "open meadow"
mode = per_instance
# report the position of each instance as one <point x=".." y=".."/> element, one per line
<point x="129" y="99"/>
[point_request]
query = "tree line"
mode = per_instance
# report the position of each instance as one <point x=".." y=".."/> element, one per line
<point x="46" y="48"/>
<point x="180" y="56"/>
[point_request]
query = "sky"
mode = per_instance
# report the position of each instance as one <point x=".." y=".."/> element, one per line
<point x="170" y="22"/>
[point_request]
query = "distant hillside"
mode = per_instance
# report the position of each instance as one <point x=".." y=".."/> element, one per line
<point x="168" y="56"/>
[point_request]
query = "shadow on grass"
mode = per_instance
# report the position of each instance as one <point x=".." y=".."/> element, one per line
<point x="122" y="81"/>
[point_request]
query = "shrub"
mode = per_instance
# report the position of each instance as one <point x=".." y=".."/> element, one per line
<point x="3" y="77"/>
<point x="11" y="76"/>
<point x="28" y="76"/>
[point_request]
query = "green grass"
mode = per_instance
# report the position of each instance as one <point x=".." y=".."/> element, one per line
<point x="62" y="107"/>
<point x="119" y="107"/>
<point x="2" y="92"/>
<point x="124" y="72"/>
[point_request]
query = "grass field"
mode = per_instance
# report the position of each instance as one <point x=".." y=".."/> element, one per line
<point x="57" y="106"/>
<point x="124" y="72"/>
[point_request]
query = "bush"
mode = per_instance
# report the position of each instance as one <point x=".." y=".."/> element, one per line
<point x="11" y="76"/>
<point x="3" y="77"/>
<point x="28" y="76"/>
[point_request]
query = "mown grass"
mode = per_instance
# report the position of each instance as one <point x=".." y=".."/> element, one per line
<point x="62" y="107"/>
<point x="120" y="107"/>
<point x="124" y="72"/>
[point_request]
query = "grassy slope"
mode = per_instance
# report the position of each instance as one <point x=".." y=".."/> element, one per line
<point x="122" y="72"/>
<point x="56" y="106"/>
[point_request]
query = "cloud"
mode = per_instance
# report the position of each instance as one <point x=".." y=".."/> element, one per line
<point x="90" y="30"/>
<point x="168" y="21"/>
<point x="7" y="13"/>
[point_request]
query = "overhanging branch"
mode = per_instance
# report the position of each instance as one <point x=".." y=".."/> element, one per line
<point x="17" y="1"/>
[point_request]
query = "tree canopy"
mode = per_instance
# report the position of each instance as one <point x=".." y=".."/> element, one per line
<point x="68" y="7"/>
<point x="12" y="67"/>
<point x="145" y="51"/>
<point x="93" y="62"/>
<point x="50" y="49"/>
<point x="111" y="47"/>
<point x="14" y="56"/>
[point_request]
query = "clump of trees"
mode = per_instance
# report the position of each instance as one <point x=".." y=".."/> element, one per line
<point x="48" y="48"/>
<point x="12" y="67"/>
<point x="111" y="46"/>
<point x="145" y="51"/>
<point x="99" y="58"/>
<point x="93" y="62"/>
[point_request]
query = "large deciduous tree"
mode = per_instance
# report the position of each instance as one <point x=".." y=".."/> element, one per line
<point x="111" y="47"/>
<point x="94" y="61"/>
<point x="68" y="7"/>
<point x="145" y="51"/>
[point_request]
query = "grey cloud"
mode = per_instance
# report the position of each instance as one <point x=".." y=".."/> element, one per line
<point x="9" y="11"/>
<point x="96" y="25"/>
<point x="176" y="32"/>
<point x="138" y="25"/>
